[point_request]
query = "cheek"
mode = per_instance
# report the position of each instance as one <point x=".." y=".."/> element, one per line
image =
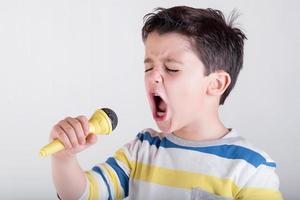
<point x="147" y="88"/>
<point x="187" y="93"/>
<point x="146" y="82"/>
<point x="177" y="93"/>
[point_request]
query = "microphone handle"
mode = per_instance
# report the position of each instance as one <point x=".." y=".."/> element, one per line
<point x="99" y="123"/>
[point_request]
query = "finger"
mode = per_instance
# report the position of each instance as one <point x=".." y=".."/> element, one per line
<point x="84" y="123"/>
<point x="61" y="136"/>
<point x="78" y="129"/>
<point x="70" y="132"/>
<point x="55" y="131"/>
<point x="91" y="139"/>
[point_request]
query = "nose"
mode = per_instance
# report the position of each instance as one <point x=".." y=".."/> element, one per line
<point x="156" y="76"/>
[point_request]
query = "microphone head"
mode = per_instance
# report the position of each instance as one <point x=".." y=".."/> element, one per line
<point x="112" y="116"/>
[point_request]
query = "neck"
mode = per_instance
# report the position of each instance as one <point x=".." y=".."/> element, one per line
<point x="204" y="128"/>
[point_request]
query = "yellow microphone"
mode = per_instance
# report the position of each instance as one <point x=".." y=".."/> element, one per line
<point x="103" y="122"/>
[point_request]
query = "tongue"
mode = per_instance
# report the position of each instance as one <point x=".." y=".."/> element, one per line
<point x="162" y="106"/>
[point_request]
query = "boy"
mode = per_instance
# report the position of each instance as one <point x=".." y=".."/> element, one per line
<point x="192" y="61"/>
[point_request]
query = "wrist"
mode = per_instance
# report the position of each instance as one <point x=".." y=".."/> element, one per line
<point x="63" y="158"/>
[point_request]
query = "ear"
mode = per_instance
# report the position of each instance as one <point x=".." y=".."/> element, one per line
<point x="218" y="83"/>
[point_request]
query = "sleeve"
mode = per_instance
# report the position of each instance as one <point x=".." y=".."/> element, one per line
<point x="110" y="180"/>
<point x="263" y="184"/>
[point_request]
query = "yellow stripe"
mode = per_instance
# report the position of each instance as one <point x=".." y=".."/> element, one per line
<point x="114" y="179"/>
<point x="93" y="187"/>
<point x="121" y="156"/>
<point x="259" y="194"/>
<point x="170" y="177"/>
<point x="184" y="179"/>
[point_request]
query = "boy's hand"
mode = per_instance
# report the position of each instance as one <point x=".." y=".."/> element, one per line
<point x="74" y="134"/>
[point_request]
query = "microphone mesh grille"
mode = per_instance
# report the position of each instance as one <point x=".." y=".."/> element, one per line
<point x="112" y="116"/>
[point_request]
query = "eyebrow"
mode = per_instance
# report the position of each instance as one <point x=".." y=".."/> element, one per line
<point x="170" y="60"/>
<point x="148" y="60"/>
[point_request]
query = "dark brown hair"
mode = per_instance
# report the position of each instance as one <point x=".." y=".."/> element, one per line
<point x="218" y="44"/>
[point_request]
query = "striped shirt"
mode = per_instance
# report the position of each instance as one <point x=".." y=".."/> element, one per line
<point x="163" y="166"/>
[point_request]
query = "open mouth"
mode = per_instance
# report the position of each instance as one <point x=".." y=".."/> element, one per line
<point x="160" y="107"/>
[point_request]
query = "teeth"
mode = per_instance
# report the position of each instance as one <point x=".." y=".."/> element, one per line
<point x="160" y="114"/>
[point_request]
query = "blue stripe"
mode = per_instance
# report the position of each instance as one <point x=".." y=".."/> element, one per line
<point x="225" y="151"/>
<point x="152" y="140"/>
<point x="124" y="179"/>
<point x="99" y="171"/>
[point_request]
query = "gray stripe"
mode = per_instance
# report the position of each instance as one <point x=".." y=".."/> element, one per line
<point x="226" y="140"/>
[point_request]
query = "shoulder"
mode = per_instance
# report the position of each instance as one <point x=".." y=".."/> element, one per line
<point x="260" y="169"/>
<point x="252" y="154"/>
<point x="150" y="137"/>
<point x="144" y="139"/>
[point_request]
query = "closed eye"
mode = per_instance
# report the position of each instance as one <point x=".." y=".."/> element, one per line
<point x="146" y="70"/>
<point x="169" y="70"/>
<point x="172" y="70"/>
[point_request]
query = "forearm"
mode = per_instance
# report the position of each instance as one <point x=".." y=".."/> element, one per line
<point x="68" y="177"/>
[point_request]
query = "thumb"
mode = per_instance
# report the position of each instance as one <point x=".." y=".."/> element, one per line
<point x="91" y="139"/>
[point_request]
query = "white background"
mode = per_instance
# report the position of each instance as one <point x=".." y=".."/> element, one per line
<point x="63" y="58"/>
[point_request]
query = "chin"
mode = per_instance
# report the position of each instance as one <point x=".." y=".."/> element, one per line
<point x="165" y="127"/>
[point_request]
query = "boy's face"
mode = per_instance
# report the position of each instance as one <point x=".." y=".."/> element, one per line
<point x="175" y="74"/>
